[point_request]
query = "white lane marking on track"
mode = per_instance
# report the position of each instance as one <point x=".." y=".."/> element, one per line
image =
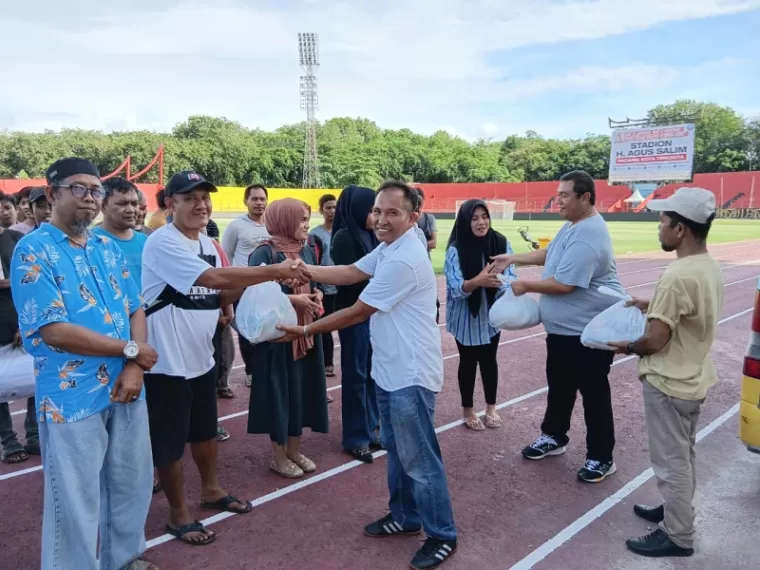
<point x="559" y="539"/>
<point x="352" y="464"/>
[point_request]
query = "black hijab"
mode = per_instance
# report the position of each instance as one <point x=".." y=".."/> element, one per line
<point x="475" y="252"/>
<point x="351" y="211"/>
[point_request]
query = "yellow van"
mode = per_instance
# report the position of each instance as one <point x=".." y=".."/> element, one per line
<point x="749" y="408"/>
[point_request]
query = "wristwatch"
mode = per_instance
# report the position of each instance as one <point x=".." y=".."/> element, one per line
<point x="131" y="350"/>
<point x="630" y="347"/>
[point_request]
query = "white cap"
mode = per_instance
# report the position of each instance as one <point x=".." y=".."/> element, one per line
<point x="695" y="204"/>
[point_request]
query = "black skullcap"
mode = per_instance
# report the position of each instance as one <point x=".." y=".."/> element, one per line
<point x="62" y="169"/>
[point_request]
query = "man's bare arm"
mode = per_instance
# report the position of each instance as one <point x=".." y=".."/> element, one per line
<point x="76" y="339"/>
<point x="227" y="278"/>
<point x="337" y="274"/>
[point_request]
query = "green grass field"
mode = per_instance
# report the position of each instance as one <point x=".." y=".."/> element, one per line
<point x="627" y="237"/>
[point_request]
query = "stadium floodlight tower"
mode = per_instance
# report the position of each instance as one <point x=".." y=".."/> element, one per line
<point x="308" y="53"/>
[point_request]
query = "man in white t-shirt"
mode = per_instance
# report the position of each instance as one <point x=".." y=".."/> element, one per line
<point x="184" y="286"/>
<point x="407" y="366"/>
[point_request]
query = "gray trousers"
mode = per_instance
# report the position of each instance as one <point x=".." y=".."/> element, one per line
<point x="672" y="428"/>
<point x="9" y="438"/>
<point x="224" y="355"/>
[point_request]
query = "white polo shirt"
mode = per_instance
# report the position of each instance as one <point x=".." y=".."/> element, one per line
<point x="406" y="341"/>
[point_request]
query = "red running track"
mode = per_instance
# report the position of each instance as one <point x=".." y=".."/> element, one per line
<point x="510" y="513"/>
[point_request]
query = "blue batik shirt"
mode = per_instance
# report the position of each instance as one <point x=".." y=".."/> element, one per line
<point x="469" y="330"/>
<point x="56" y="280"/>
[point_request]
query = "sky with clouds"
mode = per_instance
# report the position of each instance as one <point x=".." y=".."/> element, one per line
<point x="476" y="68"/>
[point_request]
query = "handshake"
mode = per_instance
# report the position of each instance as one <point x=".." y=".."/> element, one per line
<point x="292" y="273"/>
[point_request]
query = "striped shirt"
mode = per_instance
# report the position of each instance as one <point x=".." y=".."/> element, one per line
<point x="468" y="330"/>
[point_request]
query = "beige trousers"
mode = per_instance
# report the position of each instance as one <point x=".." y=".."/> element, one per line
<point x="672" y="428"/>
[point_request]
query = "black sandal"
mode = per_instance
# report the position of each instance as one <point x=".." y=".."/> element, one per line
<point x="33" y="449"/>
<point x="226" y="393"/>
<point x="224" y="504"/>
<point x="15" y="457"/>
<point x="195" y="526"/>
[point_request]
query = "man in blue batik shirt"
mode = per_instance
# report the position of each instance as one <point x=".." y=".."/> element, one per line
<point x="81" y="318"/>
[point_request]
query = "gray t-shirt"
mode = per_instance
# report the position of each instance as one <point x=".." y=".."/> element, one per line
<point x="581" y="254"/>
<point x="326" y="237"/>
<point x="241" y="237"/>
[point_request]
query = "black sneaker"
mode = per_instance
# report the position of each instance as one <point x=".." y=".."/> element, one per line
<point x="362" y="454"/>
<point x="376" y="444"/>
<point x="386" y="526"/>
<point x="596" y="471"/>
<point x="652" y="514"/>
<point x="433" y="553"/>
<point x="657" y="544"/>
<point x="542" y="447"/>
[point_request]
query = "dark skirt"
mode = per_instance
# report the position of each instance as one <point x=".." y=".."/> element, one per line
<point x="287" y="395"/>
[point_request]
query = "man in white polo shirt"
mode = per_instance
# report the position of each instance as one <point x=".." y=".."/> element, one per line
<point x="407" y="366"/>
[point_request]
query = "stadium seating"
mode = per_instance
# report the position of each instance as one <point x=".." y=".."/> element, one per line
<point x="731" y="189"/>
<point x="528" y="196"/>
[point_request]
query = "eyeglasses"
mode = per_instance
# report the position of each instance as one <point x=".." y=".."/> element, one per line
<point x="80" y="191"/>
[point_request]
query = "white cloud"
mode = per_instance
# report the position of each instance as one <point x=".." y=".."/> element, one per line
<point x="416" y="63"/>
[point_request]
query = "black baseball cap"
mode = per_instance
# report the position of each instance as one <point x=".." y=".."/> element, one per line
<point x="37" y="193"/>
<point x="187" y="181"/>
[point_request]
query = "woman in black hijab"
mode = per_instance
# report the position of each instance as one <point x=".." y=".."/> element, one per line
<point x="352" y="239"/>
<point x="470" y="292"/>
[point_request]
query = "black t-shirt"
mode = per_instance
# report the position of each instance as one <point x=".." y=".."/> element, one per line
<point x="8" y="316"/>
<point x="212" y="229"/>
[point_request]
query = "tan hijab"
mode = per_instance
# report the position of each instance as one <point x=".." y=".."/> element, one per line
<point x="283" y="219"/>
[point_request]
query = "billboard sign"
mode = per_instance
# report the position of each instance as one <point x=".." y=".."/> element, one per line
<point x="655" y="154"/>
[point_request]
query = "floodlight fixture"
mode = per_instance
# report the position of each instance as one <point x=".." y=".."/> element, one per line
<point x="308" y="49"/>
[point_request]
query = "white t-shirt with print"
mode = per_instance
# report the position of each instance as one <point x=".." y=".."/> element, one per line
<point x="182" y="337"/>
<point x="406" y="341"/>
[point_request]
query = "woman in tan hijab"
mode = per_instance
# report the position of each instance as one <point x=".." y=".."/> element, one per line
<point x="288" y="387"/>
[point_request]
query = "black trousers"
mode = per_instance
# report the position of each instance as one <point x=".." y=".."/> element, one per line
<point x="572" y="368"/>
<point x="469" y="358"/>
<point x="328" y="302"/>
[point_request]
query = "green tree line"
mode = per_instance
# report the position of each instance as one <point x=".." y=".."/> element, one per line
<point x="357" y="151"/>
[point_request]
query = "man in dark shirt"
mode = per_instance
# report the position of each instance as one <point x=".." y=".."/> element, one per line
<point x="8" y="213"/>
<point x="13" y="451"/>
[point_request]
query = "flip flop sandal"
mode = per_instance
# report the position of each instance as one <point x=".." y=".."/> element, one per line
<point x="493" y="422"/>
<point x="329" y="371"/>
<point x="225" y="504"/>
<point x="156" y="487"/>
<point x="474" y="424"/>
<point x="15" y="457"/>
<point x="33" y="449"/>
<point x="196" y="526"/>
<point x="225" y="393"/>
<point x="291" y="470"/>
<point x="329" y="398"/>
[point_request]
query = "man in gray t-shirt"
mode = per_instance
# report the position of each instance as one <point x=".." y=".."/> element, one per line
<point x="580" y="255"/>
<point x="577" y="262"/>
